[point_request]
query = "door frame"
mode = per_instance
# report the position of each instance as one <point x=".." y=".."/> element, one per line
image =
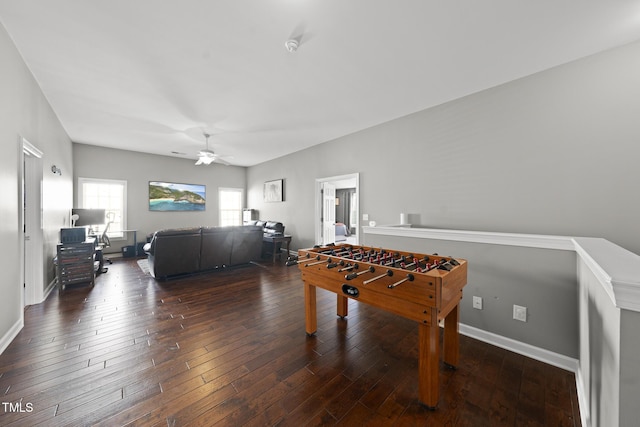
<point x="31" y="264"/>
<point x="318" y="197"/>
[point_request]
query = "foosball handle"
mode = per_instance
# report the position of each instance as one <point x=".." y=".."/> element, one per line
<point x="335" y="264"/>
<point x="351" y="276"/>
<point x="409" y="278"/>
<point x="296" y="260"/>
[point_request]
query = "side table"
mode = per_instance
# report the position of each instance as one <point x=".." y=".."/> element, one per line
<point x="275" y="240"/>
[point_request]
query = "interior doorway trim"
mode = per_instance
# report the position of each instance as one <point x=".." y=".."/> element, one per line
<point x="30" y="149"/>
<point x="31" y="232"/>
<point x="318" y="197"/>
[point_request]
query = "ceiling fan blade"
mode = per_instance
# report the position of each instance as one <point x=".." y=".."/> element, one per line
<point x="300" y="34"/>
<point x="207" y="156"/>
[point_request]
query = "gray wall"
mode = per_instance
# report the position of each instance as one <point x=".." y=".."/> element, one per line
<point x="138" y="169"/>
<point x="553" y="153"/>
<point x="24" y="111"/>
<point x="629" y="372"/>
<point x="543" y="280"/>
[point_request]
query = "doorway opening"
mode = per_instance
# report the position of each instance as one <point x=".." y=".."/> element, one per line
<point x="337" y="209"/>
<point x="31" y="253"/>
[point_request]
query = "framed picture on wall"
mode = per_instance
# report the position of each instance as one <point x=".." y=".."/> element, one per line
<point x="273" y="191"/>
<point x="171" y="196"/>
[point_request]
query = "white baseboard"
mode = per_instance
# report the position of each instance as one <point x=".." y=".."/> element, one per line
<point x="546" y="356"/>
<point x="11" y="334"/>
<point x="52" y="285"/>
<point x="17" y="327"/>
<point x="540" y="354"/>
<point x="583" y="403"/>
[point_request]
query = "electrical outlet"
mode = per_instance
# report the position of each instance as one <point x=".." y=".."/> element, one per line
<point x="365" y="217"/>
<point x="477" y="303"/>
<point x="520" y="313"/>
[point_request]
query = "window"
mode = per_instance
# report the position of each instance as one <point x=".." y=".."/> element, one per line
<point x="107" y="194"/>
<point x="230" y="205"/>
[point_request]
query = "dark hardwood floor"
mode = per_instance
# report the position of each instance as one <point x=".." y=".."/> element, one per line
<point x="229" y="348"/>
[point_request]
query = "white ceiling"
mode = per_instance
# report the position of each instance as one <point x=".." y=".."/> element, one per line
<point x="151" y="76"/>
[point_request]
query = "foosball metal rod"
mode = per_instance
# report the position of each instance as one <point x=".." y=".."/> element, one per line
<point x="409" y="278"/>
<point x="292" y="261"/>
<point x="389" y="273"/>
<point x="335" y="264"/>
<point x="351" y="276"/>
<point x="328" y="260"/>
<point x="416" y="262"/>
<point x="443" y="264"/>
<point x="345" y="252"/>
<point x="353" y="266"/>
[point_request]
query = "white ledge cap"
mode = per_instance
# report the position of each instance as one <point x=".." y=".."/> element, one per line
<point x="617" y="269"/>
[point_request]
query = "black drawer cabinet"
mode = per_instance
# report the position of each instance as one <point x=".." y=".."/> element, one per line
<point x="76" y="263"/>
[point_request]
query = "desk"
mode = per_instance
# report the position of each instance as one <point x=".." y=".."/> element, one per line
<point x="275" y="239"/>
<point x="135" y="239"/>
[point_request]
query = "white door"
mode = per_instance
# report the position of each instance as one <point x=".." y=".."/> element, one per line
<point x="341" y="181"/>
<point x="32" y="256"/>
<point x="328" y="213"/>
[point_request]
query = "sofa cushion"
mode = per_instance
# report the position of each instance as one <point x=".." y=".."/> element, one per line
<point x="273" y="227"/>
<point x="217" y="243"/>
<point x="247" y="243"/>
<point x="174" y="252"/>
<point x="177" y="231"/>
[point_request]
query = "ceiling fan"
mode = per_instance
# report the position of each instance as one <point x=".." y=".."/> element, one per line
<point x="206" y="156"/>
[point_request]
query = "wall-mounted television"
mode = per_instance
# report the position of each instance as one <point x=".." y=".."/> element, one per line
<point x="172" y="196"/>
<point x="89" y="217"/>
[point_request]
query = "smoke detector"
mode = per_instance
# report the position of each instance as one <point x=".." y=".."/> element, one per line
<point x="291" y="45"/>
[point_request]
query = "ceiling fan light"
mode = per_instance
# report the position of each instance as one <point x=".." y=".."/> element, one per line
<point x="204" y="160"/>
<point x="291" y="45"/>
<point x="206" y="156"/>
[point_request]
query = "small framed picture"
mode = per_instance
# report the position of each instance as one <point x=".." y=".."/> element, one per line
<point x="273" y="191"/>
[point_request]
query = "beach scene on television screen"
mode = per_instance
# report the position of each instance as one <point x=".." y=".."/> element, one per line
<point x="170" y="196"/>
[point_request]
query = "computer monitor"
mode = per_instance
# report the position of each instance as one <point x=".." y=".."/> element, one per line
<point x="73" y="235"/>
<point x="89" y="217"/>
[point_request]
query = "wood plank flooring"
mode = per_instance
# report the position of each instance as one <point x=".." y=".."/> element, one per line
<point x="229" y="348"/>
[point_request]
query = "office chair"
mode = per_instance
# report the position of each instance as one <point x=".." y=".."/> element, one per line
<point x="104" y="242"/>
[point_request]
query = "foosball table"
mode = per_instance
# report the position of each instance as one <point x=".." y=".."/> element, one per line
<point x="423" y="288"/>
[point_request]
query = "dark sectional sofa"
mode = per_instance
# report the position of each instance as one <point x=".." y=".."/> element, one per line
<point x="269" y="229"/>
<point x="176" y="252"/>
